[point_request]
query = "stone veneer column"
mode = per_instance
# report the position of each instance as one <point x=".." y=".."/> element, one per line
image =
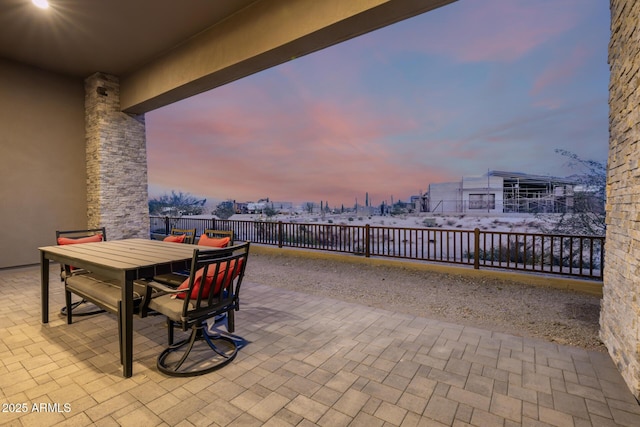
<point x="117" y="196"/>
<point x="619" y="327"/>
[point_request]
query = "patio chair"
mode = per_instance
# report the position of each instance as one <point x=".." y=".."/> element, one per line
<point x="70" y="237"/>
<point x="181" y="235"/>
<point x="212" y="289"/>
<point x="210" y="238"/>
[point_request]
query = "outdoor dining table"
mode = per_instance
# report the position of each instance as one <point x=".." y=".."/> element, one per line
<point x="122" y="260"/>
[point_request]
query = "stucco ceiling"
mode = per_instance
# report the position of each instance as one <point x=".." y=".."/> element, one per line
<point x="167" y="50"/>
<point x="80" y="37"/>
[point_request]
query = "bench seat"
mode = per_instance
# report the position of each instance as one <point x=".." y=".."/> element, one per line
<point x="104" y="293"/>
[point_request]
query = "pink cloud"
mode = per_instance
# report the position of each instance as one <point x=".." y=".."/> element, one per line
<point x="500" y="30"/>
<point x="560" y="71"/>
<point x="333" y="150"/>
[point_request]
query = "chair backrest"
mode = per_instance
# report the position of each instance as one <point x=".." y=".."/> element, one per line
<point x="188" y="233"/>
<point x="219" y="234"/>
<point x="214" y="282"/>
<point x="68" y="237"/>
<point x="82" y="236"/>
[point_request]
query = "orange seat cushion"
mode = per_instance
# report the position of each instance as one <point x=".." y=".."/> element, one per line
<point x="213" y="242"/>
<point x="89" y="239"/>
<point x="175" y="238"/>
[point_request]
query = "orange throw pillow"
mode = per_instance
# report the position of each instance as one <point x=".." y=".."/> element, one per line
<point x="89" y="239"/>
<point x="213" y="242"/>
<point x="208" y="281"/>
<point x="175" y="238"/>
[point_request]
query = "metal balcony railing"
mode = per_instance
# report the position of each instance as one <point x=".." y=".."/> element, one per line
<point x="571" y="255"/>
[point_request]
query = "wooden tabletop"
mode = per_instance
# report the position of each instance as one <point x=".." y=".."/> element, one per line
<point x="126" y="254"/>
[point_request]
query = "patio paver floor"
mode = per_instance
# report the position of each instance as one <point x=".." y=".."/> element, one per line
<point x="306" y="360"/>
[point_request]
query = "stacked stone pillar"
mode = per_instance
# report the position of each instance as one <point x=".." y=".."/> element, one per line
<point x="117" y="196"/>
<point x="620" y="315"/>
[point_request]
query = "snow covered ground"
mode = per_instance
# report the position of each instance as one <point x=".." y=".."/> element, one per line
<point x="526" y="223"/>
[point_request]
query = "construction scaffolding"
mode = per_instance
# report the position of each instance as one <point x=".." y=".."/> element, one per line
<point x="535" y="193"/>
<point x="503" y="192"/>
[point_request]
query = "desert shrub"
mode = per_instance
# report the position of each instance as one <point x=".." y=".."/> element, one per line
<point x="429" y="222"/>
<point x="567" y="256"/>
<point x="515" y="252"/>
<point x="267" y="231"/>
<point x="531" y="252"/>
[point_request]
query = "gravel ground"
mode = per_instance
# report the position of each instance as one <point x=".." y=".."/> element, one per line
<point x="563" y="317"/>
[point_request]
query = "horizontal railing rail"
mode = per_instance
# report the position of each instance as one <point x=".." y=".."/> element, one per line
<point x="571" y="255"/>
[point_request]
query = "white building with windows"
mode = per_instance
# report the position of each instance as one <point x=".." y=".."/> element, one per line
<point x="502" y="192"/>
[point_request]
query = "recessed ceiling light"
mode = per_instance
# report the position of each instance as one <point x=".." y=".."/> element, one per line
<point x="42" y="4"/>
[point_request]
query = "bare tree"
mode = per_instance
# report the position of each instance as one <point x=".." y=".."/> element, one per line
<point x="224" y="210"/>
<point x="176" y="204"/>
<point x="588" y="216"/>
<point x="309" y="207"/>
<point x="270" y="211"/>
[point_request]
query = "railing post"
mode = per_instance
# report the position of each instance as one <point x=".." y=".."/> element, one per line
<point x="280" y="234"/>
<point x="476" y="248"/>
<point x="166" y="225"/>
<point x="213" y="224"/>
<point x="367" y="241"/>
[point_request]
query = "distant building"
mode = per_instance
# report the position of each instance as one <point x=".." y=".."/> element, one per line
<point x="256" y="207"/>
<point x="502" y="192"/>
<point x="283" y="207"/>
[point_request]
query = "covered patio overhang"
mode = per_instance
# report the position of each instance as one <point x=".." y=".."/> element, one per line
<point x="165" y="51"/>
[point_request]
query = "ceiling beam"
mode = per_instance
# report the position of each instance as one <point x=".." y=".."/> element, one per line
<point x="265" y="34"/>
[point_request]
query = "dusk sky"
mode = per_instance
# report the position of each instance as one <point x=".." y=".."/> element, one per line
<point x="470" y="87"/>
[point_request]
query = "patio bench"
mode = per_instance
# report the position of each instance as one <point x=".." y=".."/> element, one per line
<point x="104" y="293"/>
